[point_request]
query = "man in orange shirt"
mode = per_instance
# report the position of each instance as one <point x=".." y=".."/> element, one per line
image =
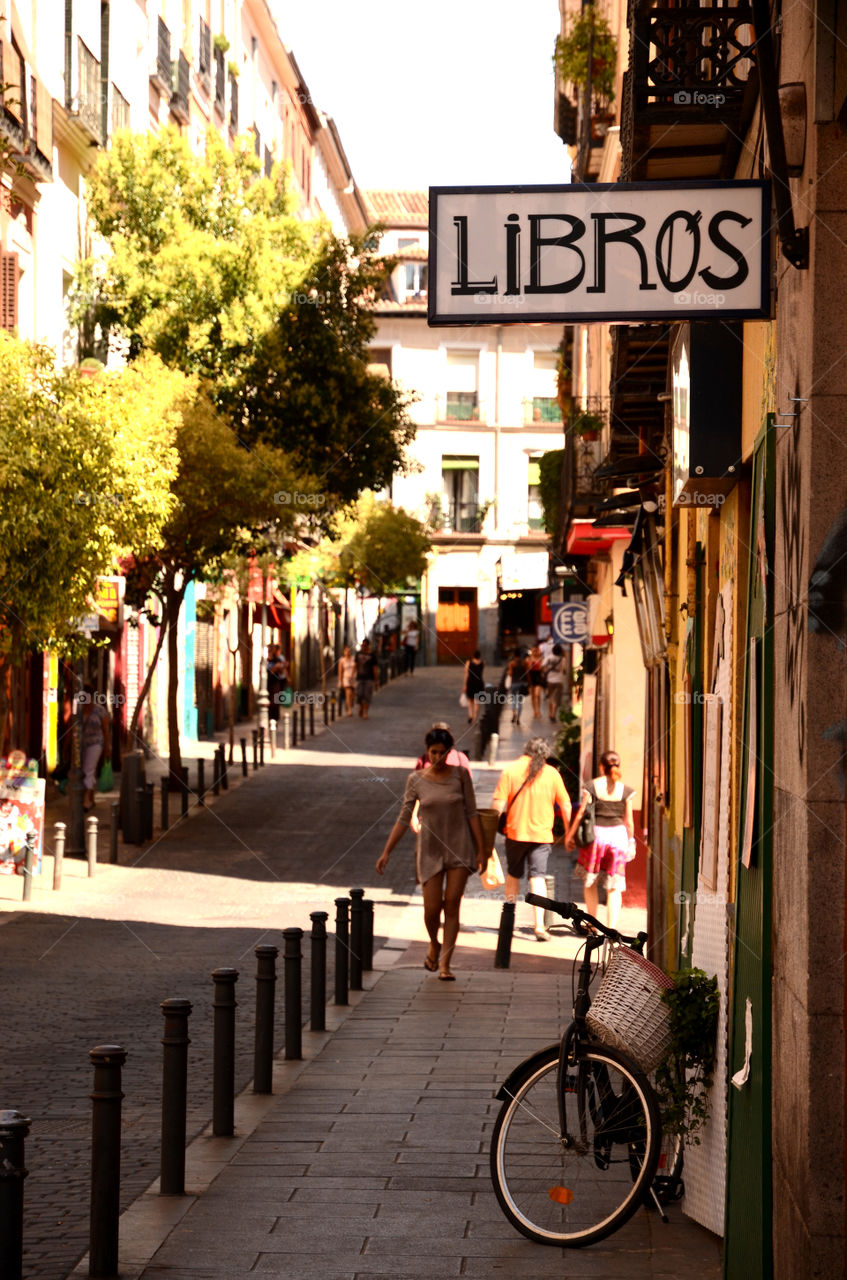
<point x="531" y="790"/>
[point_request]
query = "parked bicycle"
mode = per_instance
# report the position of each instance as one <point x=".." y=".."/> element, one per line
<point x="578" y="1141"/>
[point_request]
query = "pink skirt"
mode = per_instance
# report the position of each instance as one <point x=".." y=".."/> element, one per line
<point x="605" y="860"/>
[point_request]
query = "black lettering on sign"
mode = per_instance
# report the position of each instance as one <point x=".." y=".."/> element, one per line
<point x="537" y="242"/>
<point x="713" y="280"/>
<point x="513" y="253"/>
<point x="463" y="285"/>
<point x="624" y="235"/>
<point x="664" y="258"/>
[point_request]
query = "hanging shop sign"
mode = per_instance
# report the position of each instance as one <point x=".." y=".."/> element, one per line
<point x="623" y="251"/>
<point x="571" y="622"/>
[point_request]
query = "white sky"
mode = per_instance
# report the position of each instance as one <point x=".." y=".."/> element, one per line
<point x="440" y="92"/>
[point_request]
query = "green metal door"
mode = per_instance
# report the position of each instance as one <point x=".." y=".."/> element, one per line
<point x="748" y="1248"/>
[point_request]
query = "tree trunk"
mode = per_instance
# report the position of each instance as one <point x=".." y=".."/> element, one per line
<point x="148" y="679"/>
<point x="173" y="600"/>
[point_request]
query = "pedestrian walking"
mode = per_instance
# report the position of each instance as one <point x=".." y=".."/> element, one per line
<point x="474" y="684"/>
<point x="347" y="679"/>
<point x="530" y="791"/>
<point x="411" y="641"/>
<point x="535" y="676"/>
<point x="367" y="678"/>
<point x="554" y="674"/>
<point x="277" y="676"/>
<point x="96" y="740"/>
<point x="454" y="755"/>
<point x="517" y="682"/>
<point x="449" y="845"/>
<point x="602" y="863"/>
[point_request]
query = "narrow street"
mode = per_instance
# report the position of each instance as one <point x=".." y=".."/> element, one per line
<point x="91" y="964"/>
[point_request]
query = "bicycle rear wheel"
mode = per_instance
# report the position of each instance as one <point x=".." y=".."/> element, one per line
<point x="577" y="1187"/>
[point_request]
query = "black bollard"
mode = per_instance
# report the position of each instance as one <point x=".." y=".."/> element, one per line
<point x="325" y="709"/>
<point x="317" y="1019"/>
<point x="107" y="1060"/>
<point x="223" y="767"/>
<point x="149" y="807"/>
<point x="223" y="1053"/>
<point x="14" y="1129"/>
<point x="174" y="1096"/>
<point x="293" y="714"/>
<point x="261" y="746"/>
<point x="342" y="952"/>
<point x="165" y="783"/>
<point x="302" y="722"/>
<point x="183" y="791"/>
<point x="332" y="709"/>
<point x="58" y="854"/>
<point x="503" y="954"/>
<point x="91" y="825"/>
<point x="201" y="781"/>
<point x="140" y="797"/>
<point x="255" y="750"/>
<point x="114" y="827"/>
<point x="356" y="938"/>
<point x="244" y="757"/>
<point x="263" y="1047"/>
<point x="216" y="774"/>
<point x="293" y="993"/>
<point x="368" y="936"/>
<point x="29" y="863"/>
<point x="312" y="718"/>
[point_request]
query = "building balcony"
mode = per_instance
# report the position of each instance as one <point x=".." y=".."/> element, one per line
<point x="459" y="406"/>
<point x="220" y="81"/>
<point x="689" y="92"/>
<point x="86" y="104"/>
<point x="542" y="410"/>
<point x="459" y="517"/>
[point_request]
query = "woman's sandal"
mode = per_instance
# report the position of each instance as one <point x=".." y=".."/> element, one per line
<point x="430" y="963"/>
<point x="447" y="977"/>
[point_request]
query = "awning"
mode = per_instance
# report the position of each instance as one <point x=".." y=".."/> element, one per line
<point x="586" y="539"/>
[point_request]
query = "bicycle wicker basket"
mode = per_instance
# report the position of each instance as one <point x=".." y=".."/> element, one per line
<point x="628" y="1011"/>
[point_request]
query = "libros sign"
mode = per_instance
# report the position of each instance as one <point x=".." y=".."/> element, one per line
<point x="652" y="251"/>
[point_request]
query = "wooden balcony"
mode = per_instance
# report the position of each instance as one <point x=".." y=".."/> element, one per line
<point x="689" y="93"/>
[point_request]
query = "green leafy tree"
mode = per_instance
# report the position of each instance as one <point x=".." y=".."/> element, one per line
<point x="226" y="496"/>
<point x="201" y="251"/>
<point x="373" y="545"/>
<point x="308" y="389"/>
<point x="85" y="471"/>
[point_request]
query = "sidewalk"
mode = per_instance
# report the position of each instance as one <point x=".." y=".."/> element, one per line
<point x="371" y="1158"/>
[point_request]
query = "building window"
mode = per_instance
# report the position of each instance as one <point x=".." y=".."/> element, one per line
<point x="89" y="91"/>
<point x="120" y="111"/>
<point x="233" y="103"/>
<point x="416" y="279"/>
<point x="220" y="81"/>
<point x="462" y="398"/>
<point x="544" y="405"/>
<point x="204" y="55"/>
<point x="460" y="508"/>
<point x="9" y="275"/>
<point x="535" y="511"/>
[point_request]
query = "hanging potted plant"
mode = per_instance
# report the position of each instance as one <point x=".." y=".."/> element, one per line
<point x="586" y="33"/>
<point x="587" y="425"/>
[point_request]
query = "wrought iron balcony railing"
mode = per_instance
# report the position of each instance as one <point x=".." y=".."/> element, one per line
<point x="181" y="84"/>
<point x="692" y="57"/>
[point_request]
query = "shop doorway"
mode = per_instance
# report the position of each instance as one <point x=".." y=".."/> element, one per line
<point x="456" y="624"/>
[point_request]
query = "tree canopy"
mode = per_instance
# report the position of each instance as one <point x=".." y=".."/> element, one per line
<point x="308" y="388"/>
<point x="373" y="545"/>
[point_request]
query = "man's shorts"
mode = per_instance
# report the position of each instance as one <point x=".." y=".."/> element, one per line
<point x="523" y="855"/>
<point x="365" y="690"/>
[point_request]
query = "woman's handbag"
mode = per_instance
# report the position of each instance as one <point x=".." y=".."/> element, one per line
<point x="585" y="829"/>
<point x="492" y="877"/>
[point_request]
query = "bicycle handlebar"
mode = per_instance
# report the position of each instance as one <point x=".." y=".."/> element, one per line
<point x="570" y="911"/>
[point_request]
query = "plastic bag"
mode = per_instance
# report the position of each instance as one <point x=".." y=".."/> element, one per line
<point x="106" y="781"/>
<point x="463" y="699"/>
<point x="492" y="877"/>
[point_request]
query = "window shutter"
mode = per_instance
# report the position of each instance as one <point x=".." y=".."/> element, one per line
<point x="44" y="121"/>
<point x="11" y="78"/>
<point x="8" y="290"/>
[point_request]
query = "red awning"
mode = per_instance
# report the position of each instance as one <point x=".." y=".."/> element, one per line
<point x="584" y="539"/>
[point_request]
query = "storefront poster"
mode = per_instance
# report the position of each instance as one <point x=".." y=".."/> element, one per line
<point x="21" y="811"/>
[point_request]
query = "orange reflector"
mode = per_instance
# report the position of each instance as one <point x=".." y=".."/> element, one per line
<point x="562" y="1195"/>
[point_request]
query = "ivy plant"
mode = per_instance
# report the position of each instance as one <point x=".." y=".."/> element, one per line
<point x="685" y="1078"/>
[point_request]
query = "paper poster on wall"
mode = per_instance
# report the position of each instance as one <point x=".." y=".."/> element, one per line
<point x="752" y="758"/>
<point x="21" y="811"/>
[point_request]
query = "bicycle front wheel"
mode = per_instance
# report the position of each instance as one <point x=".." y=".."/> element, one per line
<point x="574" y="1184"/>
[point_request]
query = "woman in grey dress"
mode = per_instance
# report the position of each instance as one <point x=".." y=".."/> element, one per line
<point x="450" y="844"/>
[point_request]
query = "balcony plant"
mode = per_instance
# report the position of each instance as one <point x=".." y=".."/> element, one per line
<point x="221" y="44"/>
<point x="587" y="425"/>
<point x="685" y="1078"/>
<point x="586" y="32"/>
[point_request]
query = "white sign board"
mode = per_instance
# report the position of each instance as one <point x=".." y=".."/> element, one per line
<point x="627" y="251"/>
<point x="524" y="571"/>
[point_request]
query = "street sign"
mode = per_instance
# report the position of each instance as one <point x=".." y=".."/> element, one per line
<point x="570" y="622"/>
<point x="619" y="252"/>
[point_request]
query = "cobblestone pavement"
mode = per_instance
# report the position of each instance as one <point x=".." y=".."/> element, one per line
<point x="91" y="963"/>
